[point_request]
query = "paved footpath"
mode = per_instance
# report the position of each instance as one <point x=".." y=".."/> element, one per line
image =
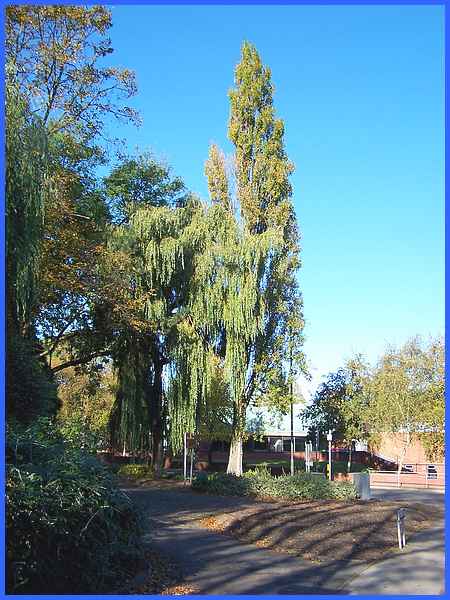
<point x="215" y="564"/>
<point x="420" y="567"/>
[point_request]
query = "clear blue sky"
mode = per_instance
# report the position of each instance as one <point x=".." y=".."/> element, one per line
<point x="361" y="91"/>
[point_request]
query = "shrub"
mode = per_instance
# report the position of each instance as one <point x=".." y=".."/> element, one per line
<point x="301" y="486"/>
<point x="344" y="490"/>
<point x="68" y="528"/>
<point x="135" y="471"/>
<point x="30" y="389"/>
<point x="221" y="484"/>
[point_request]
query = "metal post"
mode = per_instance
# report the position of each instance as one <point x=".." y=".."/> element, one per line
<point x="317" y="448"/>
<point x="401" y="530"/>
<point x="329" y="438"/>
<point x="308" y="456"/>
<point x="292" y="434"/>
<point x="185" y="457"/>
<point x="292" y="417"/>
<point x="192" y="464"/>
<point x="329" y="459"/>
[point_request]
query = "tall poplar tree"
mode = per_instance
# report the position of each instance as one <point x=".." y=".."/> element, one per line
<point x="262" y="316"/>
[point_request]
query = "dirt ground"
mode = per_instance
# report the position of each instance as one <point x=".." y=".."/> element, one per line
<point x="322" y="531"/>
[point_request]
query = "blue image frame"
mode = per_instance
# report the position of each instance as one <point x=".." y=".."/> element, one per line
<point x="206" y="3"/>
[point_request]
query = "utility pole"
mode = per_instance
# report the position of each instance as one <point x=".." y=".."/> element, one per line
<point x="292" y="416"/>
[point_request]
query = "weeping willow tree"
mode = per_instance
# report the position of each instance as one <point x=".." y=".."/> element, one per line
<point x="129" y="423"/>
<point x="198" y="385"/>
<point x="262" y="318"/>
<point x="26" y="183"/>
<point x="29" y="389"/>
<point x="154" y="236"/>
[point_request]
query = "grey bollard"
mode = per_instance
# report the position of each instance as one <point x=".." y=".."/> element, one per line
<point x="361" y="481"/>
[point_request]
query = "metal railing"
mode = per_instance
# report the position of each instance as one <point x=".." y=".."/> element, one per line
<point x="424" y="478"/>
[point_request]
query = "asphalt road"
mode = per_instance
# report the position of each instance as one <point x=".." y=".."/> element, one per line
<point x="435" y="497"/>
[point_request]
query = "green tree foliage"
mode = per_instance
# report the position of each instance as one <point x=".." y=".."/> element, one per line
<point x="72" y="248"/>
<point x="141" y="181"/>
<point x="29" y="387"/>
<point x="340" y="405"/>
<point x="27" y="188"/>
<point x="407" y="394"/>
<point x="87" y="395"/>
<point x="57" y="97"/>
<point x="326" y="410"/>
<point x="403" y="394"/>
<point x="151" y="234"/>
<point x="55" y="54"/>
<point x="217" y="176"/>
<point x="262" y="314"/>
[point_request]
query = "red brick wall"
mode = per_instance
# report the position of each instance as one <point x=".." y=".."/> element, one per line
<point x="391" y="446"/>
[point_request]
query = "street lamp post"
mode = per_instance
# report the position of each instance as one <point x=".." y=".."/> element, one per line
<point x="329" y="438"/>
<point x="292" y="433"/>
<point x="292" y="415"/>
<point x="317" y="448"/>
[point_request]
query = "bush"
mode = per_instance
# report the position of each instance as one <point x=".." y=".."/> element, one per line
<point x="135" y="471"/>
<point x="221" y="484"/>
<point x="68" y="528"/>
<point x="301" y="486"/>
<point x="344" y="490"/>
<point x="30" y="388"/>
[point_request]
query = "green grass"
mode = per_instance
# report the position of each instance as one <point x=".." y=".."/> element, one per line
<point x="340" y="466"/>
<point x="274" y="462"/>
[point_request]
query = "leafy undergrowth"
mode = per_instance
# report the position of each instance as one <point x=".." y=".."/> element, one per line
<point x="135" y="471"/>
<point x="141" y="473"/>
<point x="69" y="529"/>
<point x="322" y="531"/>
<point x="260" y="483"/>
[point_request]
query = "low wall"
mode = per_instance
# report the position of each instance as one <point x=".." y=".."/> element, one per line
<point x="258" y="456"/>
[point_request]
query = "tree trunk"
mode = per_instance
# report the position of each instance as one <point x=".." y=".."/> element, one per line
<point x="155" y="415"/>
<point x="210" y="454"/>
<point x="235" y="466"/>
<point x="235" y="458"/>
<point x="168" y="460"/>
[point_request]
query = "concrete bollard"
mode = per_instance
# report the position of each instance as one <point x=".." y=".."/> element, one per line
<point x="361" y="481"/>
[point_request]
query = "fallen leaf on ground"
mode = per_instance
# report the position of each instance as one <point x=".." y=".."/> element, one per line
<point x="180" y="590"/>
